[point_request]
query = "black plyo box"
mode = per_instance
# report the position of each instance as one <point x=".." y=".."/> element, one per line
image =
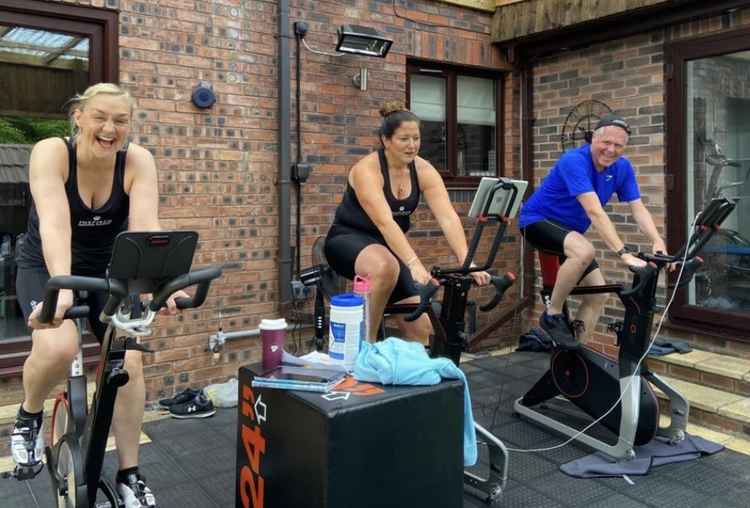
<point x="400" y="447"/>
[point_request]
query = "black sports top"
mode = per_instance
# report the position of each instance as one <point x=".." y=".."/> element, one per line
<point x="350" y="213"/>
<point x="92" y="231"/>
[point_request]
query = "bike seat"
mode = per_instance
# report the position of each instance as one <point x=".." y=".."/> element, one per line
<point x="330" y="282"/>
<point x="550" y="265"/>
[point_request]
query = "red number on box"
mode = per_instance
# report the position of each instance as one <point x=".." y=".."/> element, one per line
<point x="256" y="493"/>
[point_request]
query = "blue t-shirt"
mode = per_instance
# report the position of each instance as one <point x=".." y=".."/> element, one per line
<point x="573" y="175"/>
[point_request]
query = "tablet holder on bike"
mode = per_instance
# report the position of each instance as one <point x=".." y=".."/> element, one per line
<point x="142" y="262"/>
<point x="450" y="339"/>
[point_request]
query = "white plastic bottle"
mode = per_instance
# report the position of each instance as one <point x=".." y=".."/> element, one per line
<point x="362" y="288"/>
<point x="346" y="329"/>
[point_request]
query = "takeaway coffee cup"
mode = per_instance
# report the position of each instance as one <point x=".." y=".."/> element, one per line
<point x="272" y="333"/>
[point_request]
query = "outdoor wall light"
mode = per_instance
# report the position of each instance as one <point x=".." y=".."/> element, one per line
<point x="362" y="40"/>
<point x="353" y="39"/>
<point x="203" y="96"/>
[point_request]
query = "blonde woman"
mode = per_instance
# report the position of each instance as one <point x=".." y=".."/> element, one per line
<point x="85" y="189"/>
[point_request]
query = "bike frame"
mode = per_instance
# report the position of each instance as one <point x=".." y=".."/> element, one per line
<point x="633" y="336"/>
<point x="141" y="267"/>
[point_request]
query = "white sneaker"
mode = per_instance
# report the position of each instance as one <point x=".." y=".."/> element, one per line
<point x="135" y="493"/>
<point x="27" y="442"/>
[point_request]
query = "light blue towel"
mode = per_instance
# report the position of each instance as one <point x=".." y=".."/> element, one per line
<point x="397" y="362"/>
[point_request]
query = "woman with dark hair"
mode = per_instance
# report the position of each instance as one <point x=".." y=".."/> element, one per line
<point x="368" y="235"/>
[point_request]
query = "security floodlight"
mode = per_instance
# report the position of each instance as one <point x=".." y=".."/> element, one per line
<point x="361" y="40"/>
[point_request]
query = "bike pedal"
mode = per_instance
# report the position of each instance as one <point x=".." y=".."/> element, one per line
<point x="614" y="326"/>
<point x="22" y="473"/>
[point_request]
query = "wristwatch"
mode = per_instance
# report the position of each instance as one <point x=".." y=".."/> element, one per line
<point x="622" y="251"/>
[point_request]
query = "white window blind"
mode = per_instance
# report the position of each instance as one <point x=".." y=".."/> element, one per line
<point x="427" y="97"/>
<point x="476" y="100"/>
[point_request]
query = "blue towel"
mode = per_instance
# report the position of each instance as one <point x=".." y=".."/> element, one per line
<point x="397" y="362"/>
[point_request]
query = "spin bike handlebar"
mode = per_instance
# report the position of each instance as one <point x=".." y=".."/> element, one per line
<point x="706" y="225"/>
<point x="427" y="291"/>
<point x="118" y="292"/>
<point x="657" y="262"/>
<point x="80" y="283"/>
<point x="202" y="277"/>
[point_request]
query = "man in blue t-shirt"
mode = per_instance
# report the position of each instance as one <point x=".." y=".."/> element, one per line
<point x="570" y="199"/>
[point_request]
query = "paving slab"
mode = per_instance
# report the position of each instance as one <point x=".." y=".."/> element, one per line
<point x="702" y="397"/>
<point x="727" y="366"/>
<point x="739" y="410"/>
<point x="687" y="359"/>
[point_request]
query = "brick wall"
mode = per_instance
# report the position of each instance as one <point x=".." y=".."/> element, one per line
<point x="627" y="75"/>
<point x="218" y="167"/>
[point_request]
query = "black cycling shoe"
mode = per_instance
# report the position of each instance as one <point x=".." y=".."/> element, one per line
<point x="559" y="329"/>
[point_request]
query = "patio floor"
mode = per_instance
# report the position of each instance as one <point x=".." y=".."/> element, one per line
<point x="190" y="463"/>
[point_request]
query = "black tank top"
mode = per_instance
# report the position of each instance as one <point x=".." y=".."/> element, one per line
<point x="350" y="213"/>
<point x="92" y="230"/>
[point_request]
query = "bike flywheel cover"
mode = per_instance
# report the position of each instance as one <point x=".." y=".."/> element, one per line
<point x="570" y="373"/>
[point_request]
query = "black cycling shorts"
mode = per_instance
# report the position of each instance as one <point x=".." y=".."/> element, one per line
<point x="342" y="247"/>
<point x="30" y="284"/>
<point x="549" y="236"/>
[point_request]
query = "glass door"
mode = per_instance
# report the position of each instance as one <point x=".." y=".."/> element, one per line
<point x="708" y="125"/>
<point x="718" y="157"/>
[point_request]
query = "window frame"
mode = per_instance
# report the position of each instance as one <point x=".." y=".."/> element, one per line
<point x="101" y="27"/>
<point x="677" y="54"/>
<point x="450" y="73"/>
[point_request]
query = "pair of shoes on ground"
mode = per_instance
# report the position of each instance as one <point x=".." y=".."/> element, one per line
<point x="557" y="326"/>
<point x="189" y="403"/>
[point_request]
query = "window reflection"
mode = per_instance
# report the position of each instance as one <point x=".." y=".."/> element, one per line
<point x="719" y="166"/>
<point x="39" y="71"/>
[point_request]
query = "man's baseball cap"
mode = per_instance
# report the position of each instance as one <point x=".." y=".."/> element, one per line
<point x="613" y="119"/>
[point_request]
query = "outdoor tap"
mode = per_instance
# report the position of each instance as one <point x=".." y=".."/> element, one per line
<point x="216" y="343"/>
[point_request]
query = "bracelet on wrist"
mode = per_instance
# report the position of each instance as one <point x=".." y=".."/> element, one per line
<point x="411" y="261"/>
<point x="623" y="251"/>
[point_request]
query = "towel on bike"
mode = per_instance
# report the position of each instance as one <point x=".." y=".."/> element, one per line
<point x="398" y="362"/>
<point x="655" y="453"/>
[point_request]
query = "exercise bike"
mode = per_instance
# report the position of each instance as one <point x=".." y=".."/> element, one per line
<point x="726" y="275"/>
<point x="595" y="383"/>
<point x="495" y="203"/>
<point x="157" y="263"/>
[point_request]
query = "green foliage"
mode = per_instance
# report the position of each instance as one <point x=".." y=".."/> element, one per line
<point x="10" y="134"/>
<point x="25" y="130"/>
<point x="45" y="128"/>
